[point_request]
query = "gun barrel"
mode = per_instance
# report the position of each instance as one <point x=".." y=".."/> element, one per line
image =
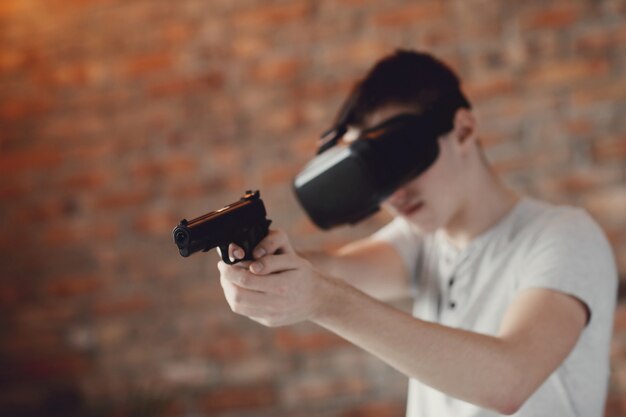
<point x="220" y="226"/>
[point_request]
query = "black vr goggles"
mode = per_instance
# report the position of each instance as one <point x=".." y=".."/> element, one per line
<point x="344" y="184"/>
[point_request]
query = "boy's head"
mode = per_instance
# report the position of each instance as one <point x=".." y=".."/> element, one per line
<point x="414" y="82"/>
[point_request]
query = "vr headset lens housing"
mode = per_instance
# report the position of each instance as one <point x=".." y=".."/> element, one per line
<point x="346" y="184"/>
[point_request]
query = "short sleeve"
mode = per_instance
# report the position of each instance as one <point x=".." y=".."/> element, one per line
<point x="571" y="255"/>
<point x="405" y="239"/>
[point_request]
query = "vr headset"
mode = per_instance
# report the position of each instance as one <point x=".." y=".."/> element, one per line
<point x="345" y="184"/>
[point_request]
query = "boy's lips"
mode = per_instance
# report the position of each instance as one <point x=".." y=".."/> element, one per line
<point x="412" y="208"/>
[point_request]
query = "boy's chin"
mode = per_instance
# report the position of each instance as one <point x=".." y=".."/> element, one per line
<point x="419" y="225"/>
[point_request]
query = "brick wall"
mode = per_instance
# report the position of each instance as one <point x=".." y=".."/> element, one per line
<point x="118" y="118"/>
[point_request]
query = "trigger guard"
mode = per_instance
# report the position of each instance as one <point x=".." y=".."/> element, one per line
<point x="225" y="258"/>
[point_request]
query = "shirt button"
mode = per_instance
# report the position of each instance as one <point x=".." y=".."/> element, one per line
<point x="451" y="282"/>
<point x="452" y="304"/>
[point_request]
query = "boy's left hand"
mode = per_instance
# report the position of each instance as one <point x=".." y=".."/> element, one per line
<point x="278" y="288"/>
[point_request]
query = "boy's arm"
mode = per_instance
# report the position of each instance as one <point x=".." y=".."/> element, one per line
<point x="374" y="267"/>
<point x="500" y="372"/>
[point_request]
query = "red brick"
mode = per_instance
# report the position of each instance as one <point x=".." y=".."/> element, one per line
<point x="277" y="70"/>
<point x="376" y="409"/>
<point x="9" y="8"/>
<point x="613" y="149"/>
<point x="88" y="180"/>
<point x="228" y="347"/>
<point x="288" y="340"/>
<point x="488" y="87"/>
<point x="76" y="75"/>
<point x="354" y="2"/>
<point x="564" y="72"/>
<point x="226" y="155"/>
<point x="599" y="40"/>
<point x="250" y="46"/>
<point x="123" y="199"/>
<point x="270" y="16"/>
<point x="142" y="65"/>
<point x="552" y="17"/>
<point x="239" y="398"/>
<point x="75" y="5"/>
<point x="176" y="87"/>
<point x="10" y="192"/>
<point x="72" y="286"/>
<point x="123" y="306"/>
<point x="322" y="388"/>
<point x="358" y="50"/>
<point x="73" y="234"/>
<point x="608" y="203"/>
<point x="111" y="334"/>
<point x="177" y="33"/>
<point x="584" y="179"/>
<point x="44" y="211"/>
<point x="37" y="159"/>
<point x="438" y="36"/>
<point x="88" y="153"/>
<point x="280" y="174"/>
<point x="536" y="160"/>
<point x="578" y="127"/>
<point x="20" y="108"/>
<point x="619" y="321"/>
<point x="582" y="98"/>
<point x="411" y="14"/>
<point x="63" y="365"/>
<point x="10" y="60"/>
<point x="251" y="369"/>
<point x="33" y="318"/>
<point x="27" y="343"/>
<point x="10" y="296"/>
<point x="155" y="223"/>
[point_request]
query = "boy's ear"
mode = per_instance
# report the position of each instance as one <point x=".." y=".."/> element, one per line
<point x="464" y="125"/>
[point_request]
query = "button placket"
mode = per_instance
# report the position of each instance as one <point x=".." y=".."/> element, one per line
<point x="451" y="302"/>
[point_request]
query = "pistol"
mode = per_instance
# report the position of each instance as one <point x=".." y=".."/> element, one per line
<point x="243" y="222"/>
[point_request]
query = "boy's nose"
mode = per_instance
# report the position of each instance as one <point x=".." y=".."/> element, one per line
<point x="398" y="196"/>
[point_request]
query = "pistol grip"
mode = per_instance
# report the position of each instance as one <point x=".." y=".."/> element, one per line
<point x="246" y="257"/>
<point x="247" y="240"/>
<point x="243" y="245"/>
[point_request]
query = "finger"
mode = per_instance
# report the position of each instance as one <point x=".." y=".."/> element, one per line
<point x="242" y="277"/>
<point x="240" y="264"/>
<point x="232" y="256"/>
<point x="247" y="302"/>
<point x="271" y="264"/>
<point x="275" y="284"/>
<point x="235" y="252"/>
<point x="275" y="242"/>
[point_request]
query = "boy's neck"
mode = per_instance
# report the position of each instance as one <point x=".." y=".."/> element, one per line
<point x="487" y="202"/>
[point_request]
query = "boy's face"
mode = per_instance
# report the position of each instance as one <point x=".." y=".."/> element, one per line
<point x="431" y="200"/>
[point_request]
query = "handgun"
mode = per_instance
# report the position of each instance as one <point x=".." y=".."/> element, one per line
<point x="243" y="222"/>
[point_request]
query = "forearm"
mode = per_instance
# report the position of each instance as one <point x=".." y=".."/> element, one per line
<point x="374" y="269"/>
<point x="469" y="366"/>
<point x="323" y="261"/>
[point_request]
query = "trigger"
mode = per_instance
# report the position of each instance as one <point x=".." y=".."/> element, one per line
<point x="224" y="253"/>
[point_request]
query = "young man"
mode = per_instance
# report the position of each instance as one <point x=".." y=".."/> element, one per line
<point x="514" y="297"/>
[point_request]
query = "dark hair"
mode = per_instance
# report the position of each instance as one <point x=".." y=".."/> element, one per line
<point x="410" y="78"/>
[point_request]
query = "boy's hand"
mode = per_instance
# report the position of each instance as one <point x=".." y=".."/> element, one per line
<point x="276" y="289"/>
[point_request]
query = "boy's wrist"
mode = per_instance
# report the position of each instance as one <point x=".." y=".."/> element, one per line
<point x="330" y="295"/>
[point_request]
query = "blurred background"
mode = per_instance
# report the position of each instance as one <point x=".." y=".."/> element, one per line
<point x="119" y="118"/>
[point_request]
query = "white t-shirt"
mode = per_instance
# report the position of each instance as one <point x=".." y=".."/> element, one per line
<point x="534" y="245"/>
